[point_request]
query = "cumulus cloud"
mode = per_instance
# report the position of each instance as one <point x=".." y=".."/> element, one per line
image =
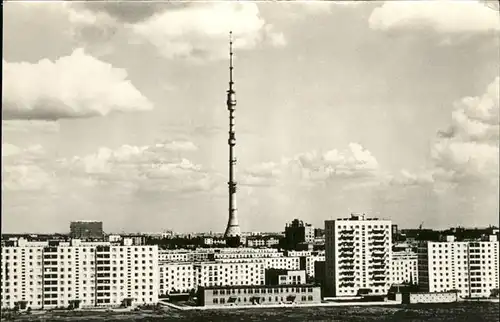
<point x="467" y="151"/>
<point x="314" y="166"/>
<point x="442" y="16"/>
<point x="469" y="147"/>
<point x="74" y="86"/>
<point x="147" y="168"/>
<point x="200" y="31"/>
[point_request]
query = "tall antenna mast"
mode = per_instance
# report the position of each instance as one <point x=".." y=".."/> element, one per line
<point x="233" y="233"/>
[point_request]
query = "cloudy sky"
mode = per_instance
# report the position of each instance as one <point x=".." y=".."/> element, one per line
<point x="116" y="112"/>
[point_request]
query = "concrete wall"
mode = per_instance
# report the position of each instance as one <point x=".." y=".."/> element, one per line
<point x="442" y="297"/>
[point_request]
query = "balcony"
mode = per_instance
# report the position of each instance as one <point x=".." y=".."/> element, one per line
<point x="347" y="231"/>
<point x="378" y="238"/>
<point x="378" y="249"/>
<point x="346" y="254"/>
<point x="347" y="249"/>
<point x="347" y="260"/>
<point x="377" y="231"/>
<point x="346" y="284"/>
<point x="347" y="273"/>
<point x="377" y="266"/>
<point x="346" y="243"/>
<point x="346" y="237"/>
<point x="378" y="254"/>
<point x="347" y="267"/>
<point x="346" y="278"/>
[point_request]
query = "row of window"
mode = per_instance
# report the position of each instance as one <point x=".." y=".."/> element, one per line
<point x="263" y="291"/>
<point x="262" y="299"/>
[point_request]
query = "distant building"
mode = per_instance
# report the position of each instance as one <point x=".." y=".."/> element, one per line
<point x="258" y="295"/>
<point x="308" y="262"/>
<point x="176" y="277"/>
<point x="227" y="273"/>
<point x="298" y="232"/>
<point x="358" y="256"/>
<point x="470" y="267"/>
<point x="395" y="233"/>
<point x="262" y="241"/>
<point x="404" y="268"/>
<point x="285" y="277"/>
<point x="86" y="230"/>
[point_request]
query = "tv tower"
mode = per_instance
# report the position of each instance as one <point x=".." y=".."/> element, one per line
<point x="233" y="233"/>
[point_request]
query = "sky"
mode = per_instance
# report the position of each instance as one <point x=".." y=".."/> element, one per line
<point x="115" y="111"/>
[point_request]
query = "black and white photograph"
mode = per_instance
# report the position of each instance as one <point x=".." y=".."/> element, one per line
<point x="250" y="160"/>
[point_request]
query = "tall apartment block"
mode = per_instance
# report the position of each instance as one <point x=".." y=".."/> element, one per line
<point x="86" y="229"/>
<point x="357" y="256"/>
<point x="470" y="267"/>
<point x="78" y="274"/>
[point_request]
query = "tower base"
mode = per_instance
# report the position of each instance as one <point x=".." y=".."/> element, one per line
<point x="233" y="241"/>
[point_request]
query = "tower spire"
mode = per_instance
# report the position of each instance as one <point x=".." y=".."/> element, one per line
<point x="233" y="233"/>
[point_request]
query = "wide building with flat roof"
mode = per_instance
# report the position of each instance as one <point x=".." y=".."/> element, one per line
<point x="259" y="295"/>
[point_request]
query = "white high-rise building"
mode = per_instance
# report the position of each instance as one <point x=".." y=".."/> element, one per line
<point x="358" y="256"/>
<point x="83" y="274"/>
<point x="470" y="267"/>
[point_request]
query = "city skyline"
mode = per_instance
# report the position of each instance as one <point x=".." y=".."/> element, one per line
<point x="116" y="112"/>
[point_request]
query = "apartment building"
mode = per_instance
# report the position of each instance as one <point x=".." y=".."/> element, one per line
<point x="176" y="277"/>
<point x="298" y="232"/>
<point x="404" y="268"/>
<point x="86" y="229"/>
<point x="198" y="255"/>
<point x="282" y="277"/>
<point x="224" y="253"/>
<point x="229" y="272"/>
<point x="470" y="267"/>
<point x="81" y="274"/>
<point x="262" y="241"/>
<point x="357" y="255"/>
<point x="307" y="263"/>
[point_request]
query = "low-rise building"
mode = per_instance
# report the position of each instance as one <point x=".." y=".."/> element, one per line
<point x="258" y="295"/>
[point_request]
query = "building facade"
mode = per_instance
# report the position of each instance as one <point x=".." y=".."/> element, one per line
<point x="176" y="277"/>
<point x="469" y="267"/>
<point x="298" y="232"/>
<point x="229" y="273"/>
<point x="86" y="229"/>
<point x="259" y="295"/>
<point x="79" y="274"/>
<point x="285" y="277"/>
<point x="358" y="256"/>
<point x="404" y="268"/>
